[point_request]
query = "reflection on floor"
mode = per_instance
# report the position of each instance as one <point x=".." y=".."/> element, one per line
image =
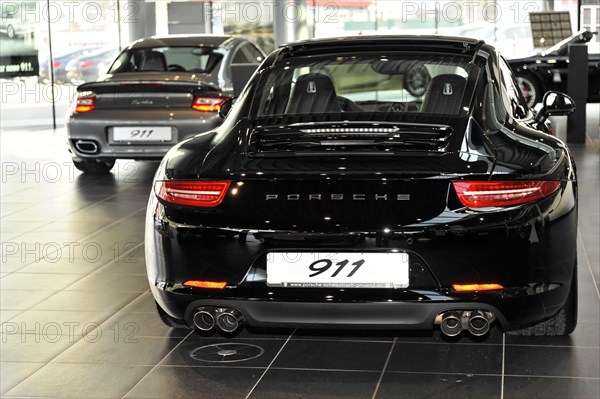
<point x="79" y="321"/>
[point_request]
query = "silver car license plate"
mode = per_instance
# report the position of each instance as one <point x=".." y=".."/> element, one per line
<point x="142" y="133"/>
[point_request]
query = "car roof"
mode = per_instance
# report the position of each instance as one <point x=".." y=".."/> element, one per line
<point x="458" y="44"/>
<point x="385" y="39"/>
<point x="180" y="40"/>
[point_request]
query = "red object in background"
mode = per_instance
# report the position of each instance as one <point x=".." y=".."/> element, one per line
<point x="86" y="64"/>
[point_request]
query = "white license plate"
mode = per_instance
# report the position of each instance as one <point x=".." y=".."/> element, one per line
<point x="338" y="270"/>
<point x="142" y="133"/>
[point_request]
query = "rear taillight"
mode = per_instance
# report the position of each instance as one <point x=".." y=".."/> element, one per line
<point x="192" y="193"/>
<point x="208" y="104"/>
<point x="85" y="102"/>
<point x="86" y="64"/>
<point x="483" y="194"/>
<point x="56" y="64"/>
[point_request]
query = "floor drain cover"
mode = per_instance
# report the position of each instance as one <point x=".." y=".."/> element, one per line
<point x="226" y="352"/>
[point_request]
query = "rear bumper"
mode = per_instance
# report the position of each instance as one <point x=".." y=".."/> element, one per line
<point x="530" y="251"/>
<point x="511" y="312"/>
<point x="97" y="126"/>
<point x="375" y="315"/>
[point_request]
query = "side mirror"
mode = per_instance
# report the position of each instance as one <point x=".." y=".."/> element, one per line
<point x="556" y="104"/>
<point x="226" y="107"/>
<point x="587" y="35"/>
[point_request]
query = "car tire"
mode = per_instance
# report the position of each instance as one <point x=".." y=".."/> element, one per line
<point x="169" y="320"/>
<point x="530" y="88"/>
<point x="94" y="167"/>
<point x="563" y="323"/>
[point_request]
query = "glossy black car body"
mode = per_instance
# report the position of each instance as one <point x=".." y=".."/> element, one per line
<point x="549" y="71"/>
<point x="324" y="182"/>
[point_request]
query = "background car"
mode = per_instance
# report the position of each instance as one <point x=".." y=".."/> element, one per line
<point x="88" y="67"/>
<point x="320" y="203"/>
<point x="538" y="74"/>
<point x="15" y="25"/>
<point x="157" y="92"/>
<point x="60" y="62"/>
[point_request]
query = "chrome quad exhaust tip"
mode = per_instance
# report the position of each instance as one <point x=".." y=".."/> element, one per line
<point x="229" y="319"/>
<point x="479" y="322"/>
<point x="204" y="318"/>
<point x="226" y="319"/>
<point x="453" y="322"/>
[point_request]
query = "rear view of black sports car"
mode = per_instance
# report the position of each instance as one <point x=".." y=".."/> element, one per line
<point x="333" y="197"/>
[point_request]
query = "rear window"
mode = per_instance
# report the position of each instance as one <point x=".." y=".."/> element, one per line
<point x="161" y="59"/>
<point x="395" y="84"/>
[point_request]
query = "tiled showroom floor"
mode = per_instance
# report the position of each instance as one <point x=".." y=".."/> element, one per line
<point x="79" y="321"/>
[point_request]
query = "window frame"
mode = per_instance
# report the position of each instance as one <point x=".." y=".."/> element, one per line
<point x="512" y="99"/>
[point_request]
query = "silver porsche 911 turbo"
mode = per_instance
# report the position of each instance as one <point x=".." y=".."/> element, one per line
<point x="156" y="93"/>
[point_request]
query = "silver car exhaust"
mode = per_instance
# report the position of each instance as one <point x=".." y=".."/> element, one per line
<point x="86" y="146"/>
<point x="229" y="319"/>
<point x="204" y="319"/>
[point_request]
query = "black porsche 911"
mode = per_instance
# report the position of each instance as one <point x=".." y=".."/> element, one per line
<point x="322" y="201"/>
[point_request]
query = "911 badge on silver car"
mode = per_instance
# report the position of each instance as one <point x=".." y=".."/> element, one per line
<point x="334" y="196"/>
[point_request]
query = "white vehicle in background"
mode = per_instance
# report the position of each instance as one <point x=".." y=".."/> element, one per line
<point x="13" y="25"/>
<point x="512" y="41"/>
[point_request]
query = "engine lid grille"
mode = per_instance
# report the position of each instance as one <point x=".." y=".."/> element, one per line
<point x="348" y="138"/>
